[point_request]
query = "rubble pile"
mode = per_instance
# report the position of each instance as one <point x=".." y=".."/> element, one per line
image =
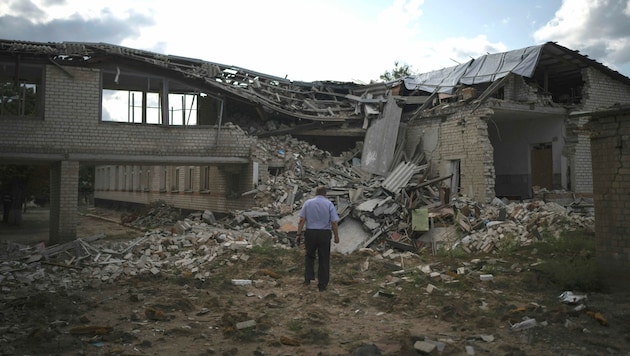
<point x="501" y="226"/>
<point x="157" y="214"/>
<point x="382" y="205"/>
<point x="92" y="259"/>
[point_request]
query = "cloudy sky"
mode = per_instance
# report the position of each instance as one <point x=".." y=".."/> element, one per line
<point x="342" y="40"/>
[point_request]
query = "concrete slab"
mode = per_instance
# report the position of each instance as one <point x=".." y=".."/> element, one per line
<point x="352" y="236"/>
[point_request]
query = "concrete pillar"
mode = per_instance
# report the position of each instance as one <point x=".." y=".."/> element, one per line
<point x="64" y="195"/>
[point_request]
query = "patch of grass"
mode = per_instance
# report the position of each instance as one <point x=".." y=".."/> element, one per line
<point x="509" y="243"/>
<point x="267" y="255"/>
<point x="489" y="269"/>
<point x="569" y="261"/>
<point x="267" y="248"/>
<point x="457" y="252"/>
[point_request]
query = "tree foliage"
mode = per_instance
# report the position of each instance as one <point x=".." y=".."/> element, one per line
<point x="400" y="70"/>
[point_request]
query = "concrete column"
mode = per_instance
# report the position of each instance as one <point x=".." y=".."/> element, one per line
<point x="64" y="195"/>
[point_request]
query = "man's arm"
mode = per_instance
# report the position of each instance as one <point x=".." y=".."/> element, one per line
<point x="300" y="228"/>
<point x="335" y="229"/>
<point x="301" y="223"/>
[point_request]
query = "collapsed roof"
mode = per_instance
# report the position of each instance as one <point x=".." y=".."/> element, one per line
<point x="547" y="64"/>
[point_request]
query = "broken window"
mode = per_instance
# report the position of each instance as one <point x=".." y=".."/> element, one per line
<point x="175" y="180"/>
<point x="233" y="185"/>
<point x="21" y="90"/>
<point x="133" y="97"/>
<point x="189" y="179"/>
<point x="163" y="179"/>
<point x="232" y="174"/>
<point x="205" y="179"/>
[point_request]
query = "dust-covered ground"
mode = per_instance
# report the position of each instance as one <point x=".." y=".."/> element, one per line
<point x="374" y="305"/>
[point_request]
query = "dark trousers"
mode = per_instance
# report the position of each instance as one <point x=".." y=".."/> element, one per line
<point x="317" y="244"/>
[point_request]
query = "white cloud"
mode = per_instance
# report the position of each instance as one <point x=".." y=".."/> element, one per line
<point x="597" y="28"/>
<point x="315" y="40"/>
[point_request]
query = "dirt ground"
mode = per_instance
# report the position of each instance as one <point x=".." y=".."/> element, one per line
<point x="373" y="306"/>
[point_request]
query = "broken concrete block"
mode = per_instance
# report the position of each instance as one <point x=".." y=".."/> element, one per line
<point x="239" y="245"/>
<point x="425" y="347"/>
<point x="246" y="324"/>
<point x="388" y="252"/>
<point x="182" y="226"/>
<point x="241" y="282"/>
<point x="208" y="217"/>
<point x="470" y="350"/>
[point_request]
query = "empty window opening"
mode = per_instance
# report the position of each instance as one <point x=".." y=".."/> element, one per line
<point x="455" y="186"/>
<point x="20" y="90"/>
<point x="131" y="97"/>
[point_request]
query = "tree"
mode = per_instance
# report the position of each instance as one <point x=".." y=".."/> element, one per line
<point x="399" y="71"/>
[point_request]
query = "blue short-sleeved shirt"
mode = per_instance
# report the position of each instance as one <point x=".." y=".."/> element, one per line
<point x="319" y="212"/>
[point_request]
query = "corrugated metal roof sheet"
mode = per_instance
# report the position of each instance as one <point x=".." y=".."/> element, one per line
<point x="487" y="68"/>
<point x="399" y="177"/>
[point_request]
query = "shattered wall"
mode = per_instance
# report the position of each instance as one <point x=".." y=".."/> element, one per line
<point x="516" y="89"/>
<point x="601" y="92"/>
<point x="610" y="148"/>
<point x="459" y="137"/>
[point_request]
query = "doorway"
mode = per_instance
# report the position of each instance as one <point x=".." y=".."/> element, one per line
<point x="542" y="166"/>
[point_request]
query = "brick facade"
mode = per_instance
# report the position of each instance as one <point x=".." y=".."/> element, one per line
<point x="71" y="133"/>
<point x="610" y="148"/>
<point x="601" y="91"/>
<point x="457" y="137"/>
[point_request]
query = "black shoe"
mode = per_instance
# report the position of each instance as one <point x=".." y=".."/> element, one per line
<point x="322" y="289"/>
<point x="306" y="283"/>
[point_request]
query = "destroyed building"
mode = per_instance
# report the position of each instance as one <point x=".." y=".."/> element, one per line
<point x="188" y="131"/>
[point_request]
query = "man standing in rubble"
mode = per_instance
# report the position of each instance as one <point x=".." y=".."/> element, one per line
<point x="319" y="217"/>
